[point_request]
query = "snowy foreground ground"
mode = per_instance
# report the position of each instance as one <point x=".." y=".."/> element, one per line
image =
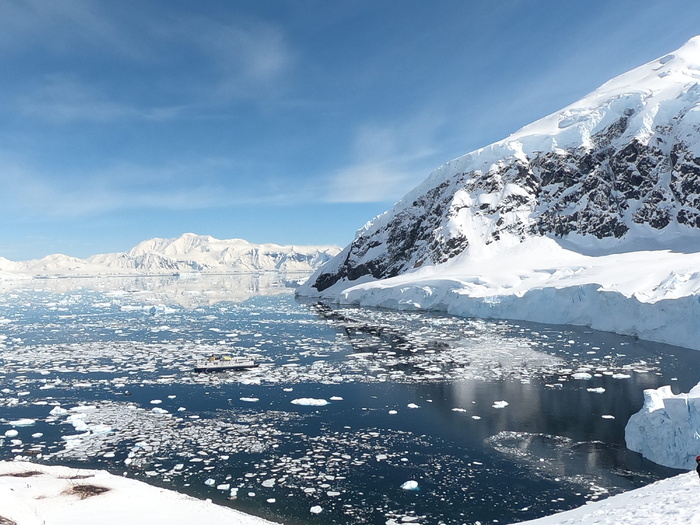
<point x="53" y="495"/>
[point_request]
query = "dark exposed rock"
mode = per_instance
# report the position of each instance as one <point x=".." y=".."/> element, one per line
<point x="601" y="189"/>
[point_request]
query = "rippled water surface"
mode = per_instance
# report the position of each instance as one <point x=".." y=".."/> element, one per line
<point x="353" y="416"/>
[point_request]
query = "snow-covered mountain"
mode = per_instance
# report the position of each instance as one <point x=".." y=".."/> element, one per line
<point x="581" y="202"/>
<point x="187" y="253"/>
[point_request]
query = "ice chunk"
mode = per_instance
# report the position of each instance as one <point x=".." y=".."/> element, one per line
<point x="667" y="428"/>
<point x="24" y="422"/>
<point x="621" y="376"/>
<point x="500" y="404"/>
<point x="410" y="485"/>
<point x="316" y="509"/>
<point x="309" y="401"/>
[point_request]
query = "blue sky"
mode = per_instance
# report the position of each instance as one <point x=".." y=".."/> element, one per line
<point x="292" y="122"/>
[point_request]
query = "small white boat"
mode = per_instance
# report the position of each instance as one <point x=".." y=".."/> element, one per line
<point x="220" y="363"/>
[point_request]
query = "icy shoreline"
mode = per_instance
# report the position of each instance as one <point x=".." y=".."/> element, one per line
<point x="33" y="493"/>
<point x="650" y="294"/>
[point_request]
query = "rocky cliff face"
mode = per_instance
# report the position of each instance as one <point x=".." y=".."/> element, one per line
<point x="622" y="162"/>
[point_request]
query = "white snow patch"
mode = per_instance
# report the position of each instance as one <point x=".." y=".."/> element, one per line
<point x="42" y="499"/>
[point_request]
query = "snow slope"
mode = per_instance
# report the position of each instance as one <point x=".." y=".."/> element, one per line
<point x="667" y="428"/>
<point x="589" y="216"/>
<point x="48" y="497"/>
<point x="187" y="253"/>
<point x="670" y="501"/>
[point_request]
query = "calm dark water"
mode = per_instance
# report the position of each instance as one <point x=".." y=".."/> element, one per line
<point x="485" y="419"/>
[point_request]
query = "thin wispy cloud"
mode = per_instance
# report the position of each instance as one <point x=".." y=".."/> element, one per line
<point x="62" y="27"/>
<point x="31" y="191"/>
<point x="388" y="161"/>
<point x="194" y="63"/>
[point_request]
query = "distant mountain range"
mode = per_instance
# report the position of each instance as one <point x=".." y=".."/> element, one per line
<point x="187" y="253"/>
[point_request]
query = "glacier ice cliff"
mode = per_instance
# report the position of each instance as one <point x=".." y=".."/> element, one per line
<point x="667" y="428"/>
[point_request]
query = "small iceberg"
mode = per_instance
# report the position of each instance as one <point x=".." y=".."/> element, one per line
<point x="24" y="422"/>
<point x="410" y="485"/>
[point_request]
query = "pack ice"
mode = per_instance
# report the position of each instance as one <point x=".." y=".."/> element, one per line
<point x="667" y="428"/>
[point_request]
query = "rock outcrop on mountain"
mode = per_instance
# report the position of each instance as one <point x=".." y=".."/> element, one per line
<point x="187" y="253"/>
<point x="620" y="165"/>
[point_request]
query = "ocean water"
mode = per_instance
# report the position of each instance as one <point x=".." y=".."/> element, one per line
<point x="352" y="416"/>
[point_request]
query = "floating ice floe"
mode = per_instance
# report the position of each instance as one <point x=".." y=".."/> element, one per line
<point x="500" y="404"/>
<point x="316" y="509"/>
<point x="11" y="433"/>
<point x="597" y="390"/>
<point x="413" y="405"/>
<point x="310" y="401"/>
<point x="410" y="485"/>
<point x="24" y="422"/>
<point x="582" y="375"/>
<point x="250" y="399"/>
